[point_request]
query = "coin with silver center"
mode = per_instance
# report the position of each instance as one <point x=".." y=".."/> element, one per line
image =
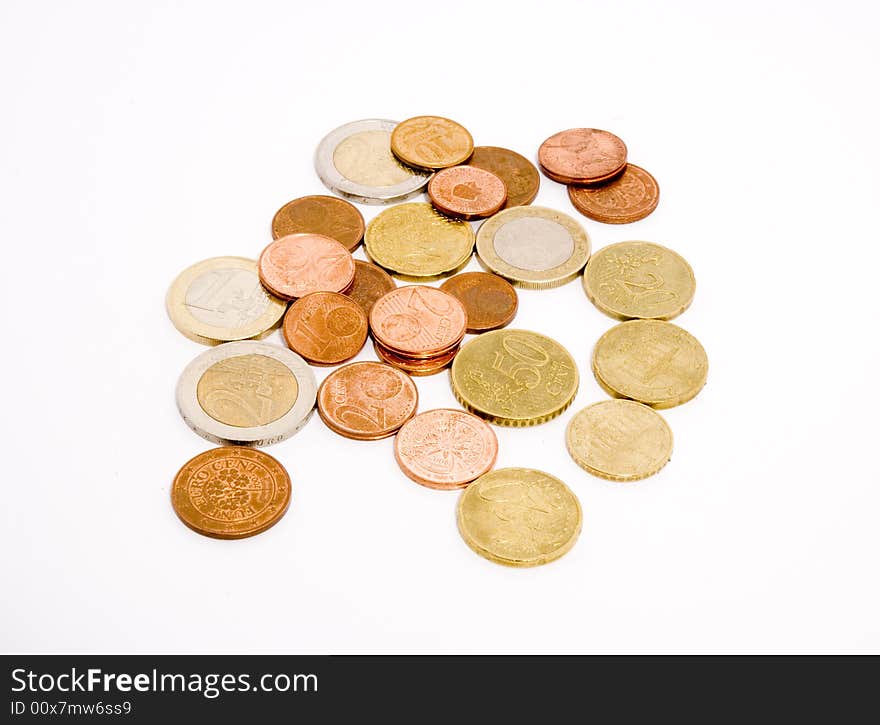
<point x="247" y="393"/>
<point x="532" y="246"/>
<point x="355" y="161"/>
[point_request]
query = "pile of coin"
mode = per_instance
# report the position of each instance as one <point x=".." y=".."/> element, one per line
<point x="247" y="392"/>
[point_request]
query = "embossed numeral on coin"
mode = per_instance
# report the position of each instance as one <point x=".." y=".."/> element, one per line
<point x="519" y="360"/>
<point x="417" y="297"/>
<point x="346" y="412"/>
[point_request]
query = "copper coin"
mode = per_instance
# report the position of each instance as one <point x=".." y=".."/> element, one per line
<point x="231" y="492"/>
<point x="630" y="197"/>
<point x="370" y="283"/>
<point x="415" y="366"/>
<point x="297" y="264"/>
<point x="320" y="214"/>
<point x="326" y="328"/>
<point x="367" y="400"/>
<point x="467" y="192"/>
<point x="445" y="449"/>
<point x="418" y="321"/>
<point x="489" y="300"/>
<point x="516" y="171"/>
<point x="582" y="156"/>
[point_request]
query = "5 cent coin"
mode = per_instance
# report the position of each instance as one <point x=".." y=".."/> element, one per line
<point x="630" y="197"/>
<point x="515" y="170"/>
<point x="489" y="300"/>
<point x="582" y="156"/>
<point x="231" y="492"/>
<point x="318" y="214"/>
<point x="297" y="264"/>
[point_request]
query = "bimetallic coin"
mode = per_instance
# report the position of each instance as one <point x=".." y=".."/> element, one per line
<point x="297" y="264"/>
<point x="533" y="247"/>
<point x="370" y="283"/>
<point x="418" y="367"/>
<point x="514" y="377"/>
<point x="416" y="241"/>
<point x="516" y="171"/>
<point x="620" y="440"/>
<point x="247" y="393"/>
<point x="418" y="321"/>
<point x="326" y="328"/>
<point x="367" y="400"/>
<point x="631" y="280"/>
<point x="630" y="197"/>
<point x="231" y="492"/>
<point x="221" y="299"/>
<point x="318" y="214"/>
<point x="466" y="192"/>
<point x="653" y="362"/>
<point x="431" y="142"/>
<point x="355" y="161"/>
<point x="519" y="517"/>
<point x="489" y="301"/>
<point x="582" y="156"/>
<point x="445" y="449"/>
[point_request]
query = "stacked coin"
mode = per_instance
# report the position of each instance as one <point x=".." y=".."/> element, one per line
<point x="417" y="328"/>
<point x="245" y="393"/>
<point x="601" y="184"/>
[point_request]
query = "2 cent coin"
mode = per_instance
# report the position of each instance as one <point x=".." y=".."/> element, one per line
<point x="297" y="264"/>
<point x="582" y="156"/>
<point x="630" y="197"/>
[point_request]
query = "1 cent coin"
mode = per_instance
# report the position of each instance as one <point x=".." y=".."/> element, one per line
<point x="231" y="492"/>
<point x="519" y="517"/>
<point x="367" y="400"/>
<point x="431" y="142"/>
<point x="445" y="449"/>
<point x="515" y="170"/>
<point x="319" y="214"/>
<point x="326" y="328"/>
<point x="297" y="264"/>
<point x="653" y="362"/>
<point x="489" y="301"/>
<point x="631" y="280"/>
<point x="418" y="321"/>
<point x="582" y="156"/>
<point x="467" y="192"/>
<point x="370" y="283"/>
<point x="630" y="197"/>
<point x="620" y="440"/>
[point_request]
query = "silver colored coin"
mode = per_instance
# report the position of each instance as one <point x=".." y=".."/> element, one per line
<point x="247" y="393"/>
<point x="533" y="246"/>
<point x="355" y="161"/>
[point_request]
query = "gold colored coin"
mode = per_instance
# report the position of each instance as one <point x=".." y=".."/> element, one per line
<point x="514" y="377"/>
<point x="620" y="440"/>
<point x="415" y="241"/>
<point x="431" y="142"/>
<point x="263" y="390"/>
<point x="651" y="361"/>
<point x="220" y="300"/>
<point x="533" y="246"/>
<point x="519" y="517"/>
<point x="630" y="280"/>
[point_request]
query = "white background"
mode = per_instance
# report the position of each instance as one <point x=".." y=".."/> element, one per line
<point x="136" y="139"/>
